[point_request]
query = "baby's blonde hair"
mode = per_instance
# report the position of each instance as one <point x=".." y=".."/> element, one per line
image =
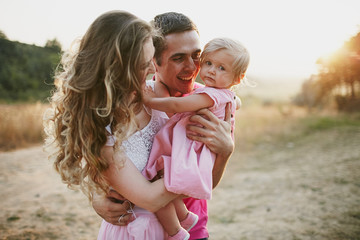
<point x="93" y="88"/>
<point x="235" y="48"/>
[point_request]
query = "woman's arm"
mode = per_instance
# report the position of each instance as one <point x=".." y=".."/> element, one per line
<point x="132" y="185"/>
<point x="216" y="134"/>
<point x="189" y="103"/>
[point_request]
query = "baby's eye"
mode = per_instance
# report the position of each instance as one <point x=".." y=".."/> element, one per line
<point x="222" y="68"/>
<point x="208" y="63"/>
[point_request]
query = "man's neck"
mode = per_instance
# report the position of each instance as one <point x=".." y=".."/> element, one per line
<point x="165" y="86"/>
<point x="176" y="94"/>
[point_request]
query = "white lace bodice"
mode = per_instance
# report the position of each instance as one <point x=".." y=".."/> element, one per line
<point x="138" y="146"/>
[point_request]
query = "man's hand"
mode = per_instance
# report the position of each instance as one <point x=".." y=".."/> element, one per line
<point x="213" y="132"/>
<point x="112" y="208"/>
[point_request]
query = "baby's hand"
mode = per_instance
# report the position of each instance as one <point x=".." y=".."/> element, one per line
<point x="148" y="94"/>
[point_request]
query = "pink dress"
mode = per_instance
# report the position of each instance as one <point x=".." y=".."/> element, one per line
<point x="187" y="164"/>
<point x="137" y="148"/>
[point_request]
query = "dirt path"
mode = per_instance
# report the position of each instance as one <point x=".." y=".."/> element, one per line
<point x="302" y="188"/>
<point x="37" y="205"/>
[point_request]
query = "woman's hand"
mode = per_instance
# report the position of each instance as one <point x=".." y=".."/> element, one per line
<point x="112" y="208"/>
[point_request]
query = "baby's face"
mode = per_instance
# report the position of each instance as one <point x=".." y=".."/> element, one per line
<point x="216" y="69"/>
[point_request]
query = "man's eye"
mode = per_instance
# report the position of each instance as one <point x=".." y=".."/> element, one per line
<point x="196" y="56"/>
<point x="177" y="59"/>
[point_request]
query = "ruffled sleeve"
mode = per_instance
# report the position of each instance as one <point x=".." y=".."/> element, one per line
<point x="219" y="96"/>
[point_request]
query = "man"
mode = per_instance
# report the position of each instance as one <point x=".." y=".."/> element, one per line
<point x="176" y="62"/>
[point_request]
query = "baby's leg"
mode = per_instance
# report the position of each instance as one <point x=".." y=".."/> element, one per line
<point x="168" y="218"/>
<point x="180" y="208"/>
<point x="187" y="219"/>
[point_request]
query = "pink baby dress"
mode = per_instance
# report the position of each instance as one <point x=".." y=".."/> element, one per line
<point x="187" y="164"/>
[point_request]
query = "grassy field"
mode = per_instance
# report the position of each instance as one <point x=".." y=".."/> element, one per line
<point x="21" y="125"/>
<point x="294" y="175"/>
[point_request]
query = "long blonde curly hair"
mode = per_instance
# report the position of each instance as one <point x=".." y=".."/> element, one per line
<point x="94" y="85"/>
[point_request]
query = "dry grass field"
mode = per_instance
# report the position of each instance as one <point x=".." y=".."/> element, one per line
<point x="20" y="125"/>
<point x="293" y="175"/>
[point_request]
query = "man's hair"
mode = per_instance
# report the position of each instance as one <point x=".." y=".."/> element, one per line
<point x="167" y="23"/>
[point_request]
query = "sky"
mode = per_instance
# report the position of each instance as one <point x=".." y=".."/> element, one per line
<point x="284" y="37"/>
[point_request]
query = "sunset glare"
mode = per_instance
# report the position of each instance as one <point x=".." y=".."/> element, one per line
<point x="285" y="38"/>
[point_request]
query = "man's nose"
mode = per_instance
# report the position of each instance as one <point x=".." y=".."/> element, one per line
<point x="192" y="64"/>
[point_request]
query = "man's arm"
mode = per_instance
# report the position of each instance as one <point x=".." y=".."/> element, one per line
<point x="216" y="135"/>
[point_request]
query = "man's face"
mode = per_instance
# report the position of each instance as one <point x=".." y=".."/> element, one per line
<point x="180" y="62"/>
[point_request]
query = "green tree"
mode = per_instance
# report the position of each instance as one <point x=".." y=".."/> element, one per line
<point x="54" y="44"/>
<point x="26" y="71"/>
<point x="2" y="35"/>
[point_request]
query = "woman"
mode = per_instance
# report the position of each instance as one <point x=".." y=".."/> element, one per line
<point x="96" y="107"/>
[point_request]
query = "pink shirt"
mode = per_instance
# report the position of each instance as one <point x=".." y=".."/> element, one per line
<point x="199" y="207"/>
